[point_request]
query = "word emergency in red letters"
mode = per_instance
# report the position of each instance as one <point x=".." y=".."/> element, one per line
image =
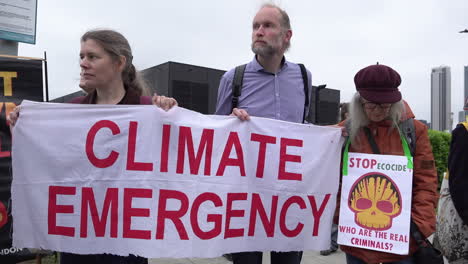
<point x="186" y="220"/>
<point x="186" y="148"/>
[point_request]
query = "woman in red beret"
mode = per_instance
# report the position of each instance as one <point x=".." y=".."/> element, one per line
<point x="376" y="111"/>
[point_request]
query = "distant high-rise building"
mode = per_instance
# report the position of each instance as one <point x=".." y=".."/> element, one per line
<point x="440" y="99"/>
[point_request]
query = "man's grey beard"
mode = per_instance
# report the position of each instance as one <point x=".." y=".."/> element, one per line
<point x="264" y="51"/>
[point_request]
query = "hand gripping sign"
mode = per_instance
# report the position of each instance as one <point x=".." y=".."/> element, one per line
<point x="375" y="207"/>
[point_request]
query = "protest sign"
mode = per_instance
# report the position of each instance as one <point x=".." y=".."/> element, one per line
<point x="138" y="180"/>
<point x="375" y="207"/>
<point x="19" y="79"/>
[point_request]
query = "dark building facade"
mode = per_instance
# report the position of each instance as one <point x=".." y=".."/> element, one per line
<point x="328" y="107"/>
<point x="194" y="87"/>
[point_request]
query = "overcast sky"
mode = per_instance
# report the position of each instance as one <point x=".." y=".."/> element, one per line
<point x="334" y="39"/>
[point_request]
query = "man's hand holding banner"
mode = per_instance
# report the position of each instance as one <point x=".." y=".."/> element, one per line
<point x="137" y="180"/>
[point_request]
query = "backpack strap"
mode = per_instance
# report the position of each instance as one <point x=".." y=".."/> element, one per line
<point x="305" y="79"/>
<point x="237" y="84"/>
<point x="371" y="139"/>
<point x="408" y="130"/>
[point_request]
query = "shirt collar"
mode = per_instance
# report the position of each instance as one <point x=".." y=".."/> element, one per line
<point x="257" y="67"/>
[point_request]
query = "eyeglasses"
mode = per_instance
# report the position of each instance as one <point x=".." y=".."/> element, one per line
<point x="371" y="106"/>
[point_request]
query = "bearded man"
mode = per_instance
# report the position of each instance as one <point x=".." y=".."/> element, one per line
<point x="271" y="87"/>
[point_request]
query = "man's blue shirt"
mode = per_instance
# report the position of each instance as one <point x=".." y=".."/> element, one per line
<point x="264" y="94"/>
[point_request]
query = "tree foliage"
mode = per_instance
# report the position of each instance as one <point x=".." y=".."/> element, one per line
<point x="440" y="142"/>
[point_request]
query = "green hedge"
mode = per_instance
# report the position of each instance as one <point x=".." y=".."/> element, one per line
<point x="440" y="142"/>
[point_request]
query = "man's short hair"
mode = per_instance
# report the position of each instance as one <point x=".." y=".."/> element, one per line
<point x="285" y="23"/>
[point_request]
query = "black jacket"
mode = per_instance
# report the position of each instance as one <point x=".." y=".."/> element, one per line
<point x="458" y="171"/>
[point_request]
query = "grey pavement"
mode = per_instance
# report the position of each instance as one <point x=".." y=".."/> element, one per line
<point x="309" y="257"/>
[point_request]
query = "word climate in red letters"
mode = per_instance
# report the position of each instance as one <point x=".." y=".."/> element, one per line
<point x="186" y="151"/>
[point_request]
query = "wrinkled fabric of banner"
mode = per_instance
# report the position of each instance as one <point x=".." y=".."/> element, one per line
<point x="137" y="180"/>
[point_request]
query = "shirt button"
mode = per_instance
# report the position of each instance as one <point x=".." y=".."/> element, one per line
<point x="277" y="94"/>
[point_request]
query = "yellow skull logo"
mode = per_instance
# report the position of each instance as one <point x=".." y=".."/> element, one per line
<point x="375" y="200"/>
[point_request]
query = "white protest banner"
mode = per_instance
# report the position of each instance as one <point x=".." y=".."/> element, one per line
<point x="137" y="180"/>
<point x="375" y="207"/>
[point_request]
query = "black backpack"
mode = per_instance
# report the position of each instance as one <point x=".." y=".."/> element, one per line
<point x="239" y="78"/>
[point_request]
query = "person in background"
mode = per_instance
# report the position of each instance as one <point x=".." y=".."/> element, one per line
<point x="109" y="77"/>
<point x="458" y="170"/>
<point x="377" y="107"/>
<point x="452" y="218"/>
